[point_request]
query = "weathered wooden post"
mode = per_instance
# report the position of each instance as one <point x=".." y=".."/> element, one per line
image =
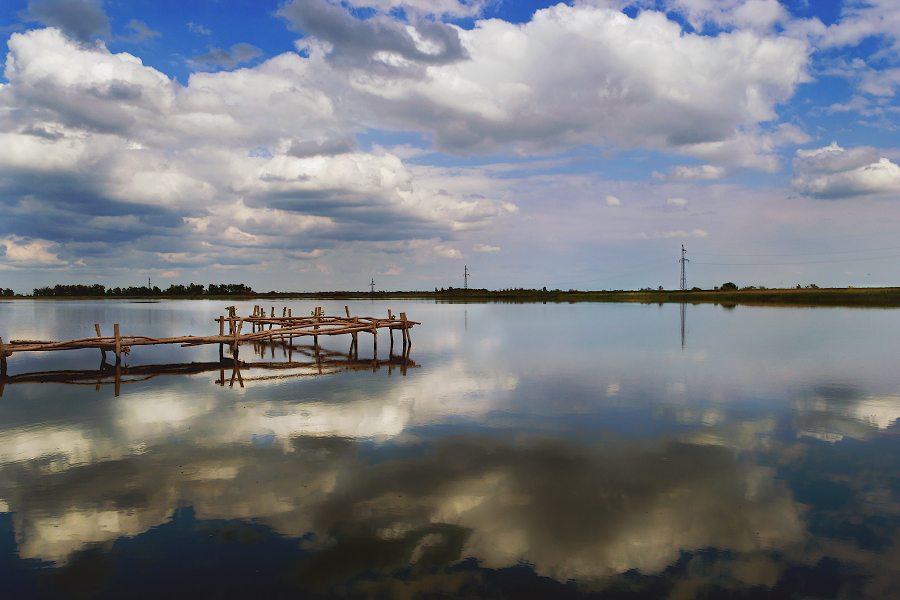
<point x="403" y="322"/>
<point x="102" y="350"/>
<point x="391" y="330"/>
<point x="118" y="346"/>
<point x="221" y="321"/>
<point x="316" y="328"/>
<point x="2" y="358"/>
<point x="347" y="310"/>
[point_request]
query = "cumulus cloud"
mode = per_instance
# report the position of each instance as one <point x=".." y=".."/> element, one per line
<point x="108" y="151"/>
<point x="629" y="82"/>
<point x="78" y="19"/>
<point x="833" y="172"/>
<point x="116" y="158"/>
<point x="677" y="203"/>
<point x="486" y="248"/>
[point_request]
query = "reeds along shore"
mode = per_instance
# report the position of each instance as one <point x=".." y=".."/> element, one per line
<point x="263" y="328"/>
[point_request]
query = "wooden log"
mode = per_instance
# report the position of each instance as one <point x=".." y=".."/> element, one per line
<point x="347" y="309"/>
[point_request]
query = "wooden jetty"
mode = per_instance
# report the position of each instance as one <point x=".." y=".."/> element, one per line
<point x="263" y="328"/>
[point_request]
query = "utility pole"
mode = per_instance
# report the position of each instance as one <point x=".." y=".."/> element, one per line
<point x="682" y="261"/>
<point x="373" y="285"/>
<point x="466" y="277"/>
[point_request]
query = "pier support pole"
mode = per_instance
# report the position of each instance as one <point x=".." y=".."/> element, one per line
<point x="118" y="345"/>
<point x="102" y="351"/>
<point x="221" y="321"/>
<point x="406" y="339"/>
<point x="2" y="358"/>
<point x="391" y="329"/>
<point x="236" y="343"/>
<point x="316" y="328"/>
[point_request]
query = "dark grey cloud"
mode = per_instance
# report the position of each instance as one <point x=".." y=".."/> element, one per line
<point x="355" y="40"/>
<point x="240" y="53"/>
<point x="77" y="19"/>
<point x="328" y="147"/>
<point x="101" y="110"/>
<point x="42" y="133"/>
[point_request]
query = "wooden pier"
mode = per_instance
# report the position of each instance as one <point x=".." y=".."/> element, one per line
<point x="263" y="328"/>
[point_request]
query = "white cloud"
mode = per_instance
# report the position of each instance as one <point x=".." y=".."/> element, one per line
<point x="447" y="252"/>
<point x="613" y="201"/>
<point x="693" y="173"/>
<point x="24" y="252"/>
<point x="833" y="172"/>
<point x="677" y="203"/>
<point x="694" y="233"/>
<point x="486" y="248"/>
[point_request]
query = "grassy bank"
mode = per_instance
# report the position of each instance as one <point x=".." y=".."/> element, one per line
<point x="861" y="297"/>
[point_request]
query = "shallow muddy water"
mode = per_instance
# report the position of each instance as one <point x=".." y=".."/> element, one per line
<point x="518" y="450"/>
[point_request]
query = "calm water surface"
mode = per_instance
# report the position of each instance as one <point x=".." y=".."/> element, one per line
<point x="550" y="451"/>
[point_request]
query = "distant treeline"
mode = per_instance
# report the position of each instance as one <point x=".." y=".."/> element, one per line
<point x="97" y="291"/>
<point x="7" y="293"/>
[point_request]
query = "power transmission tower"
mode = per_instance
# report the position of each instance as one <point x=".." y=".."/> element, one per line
<point x="682" y="261"/>
<point x="373" y="285"/>
<point x="466" y="277"/>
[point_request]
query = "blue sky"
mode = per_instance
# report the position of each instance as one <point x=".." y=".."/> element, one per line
<point x="313" y="145"/>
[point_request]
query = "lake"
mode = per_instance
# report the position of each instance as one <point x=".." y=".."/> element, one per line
<point x="518" y="451"/>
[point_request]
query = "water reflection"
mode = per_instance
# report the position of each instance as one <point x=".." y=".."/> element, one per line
<point x="323" y="362"/>
<point x="587" y="463"/>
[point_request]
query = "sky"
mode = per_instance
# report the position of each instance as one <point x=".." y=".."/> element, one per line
<point x="311" y="145"/>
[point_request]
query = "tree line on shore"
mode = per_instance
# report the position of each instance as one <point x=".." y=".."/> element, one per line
<point x="97" y="290"/>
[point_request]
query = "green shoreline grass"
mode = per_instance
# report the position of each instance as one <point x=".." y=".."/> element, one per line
<point x="846" y="297"/>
